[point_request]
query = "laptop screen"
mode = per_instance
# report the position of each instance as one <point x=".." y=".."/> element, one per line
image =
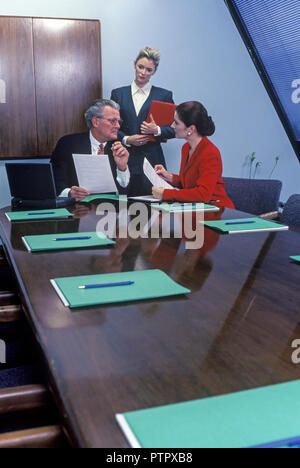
<point x="31" y="181"/>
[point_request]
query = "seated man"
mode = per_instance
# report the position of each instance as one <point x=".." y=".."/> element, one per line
<point x="103" y="120"/>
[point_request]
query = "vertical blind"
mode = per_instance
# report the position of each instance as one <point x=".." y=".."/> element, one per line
<point x="273" y="29"/>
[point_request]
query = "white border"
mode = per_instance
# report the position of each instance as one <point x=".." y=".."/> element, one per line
<point x="26" y="244"/>
<point x="59" y="292"/>
<point x="134" y="443"/>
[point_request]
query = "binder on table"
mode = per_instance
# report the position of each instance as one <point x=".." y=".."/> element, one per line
<point x="38" y="215"/>
<point x="102" y="196"/>
<point x="147" y="284"/>
<point x="234" y="226"/>
<point x="74" y="240"/>
<point x="259" y="417"/>
<point x="163" y="114"/>
<point x="145" y="198"/>
<point x="184" y="207"/>
<point x="296" y="258"/>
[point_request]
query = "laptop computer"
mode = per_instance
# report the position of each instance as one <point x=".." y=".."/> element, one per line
<point x="33" y="185"/>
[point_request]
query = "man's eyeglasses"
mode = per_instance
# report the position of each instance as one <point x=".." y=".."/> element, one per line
<point x="113" y="121"/>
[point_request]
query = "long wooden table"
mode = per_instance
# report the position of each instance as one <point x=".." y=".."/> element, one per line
<point x="232" y="332"/>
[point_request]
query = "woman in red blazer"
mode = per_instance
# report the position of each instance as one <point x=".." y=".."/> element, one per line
<point x="200" y="177"/>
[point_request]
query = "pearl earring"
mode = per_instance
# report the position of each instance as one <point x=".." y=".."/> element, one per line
<point x="189" y="133"/>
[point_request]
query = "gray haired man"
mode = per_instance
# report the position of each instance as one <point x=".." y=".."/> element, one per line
<point x="103" y="121"/>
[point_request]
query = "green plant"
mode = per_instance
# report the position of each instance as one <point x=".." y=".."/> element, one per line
<point x="257" y="165"/>
<point x="251" y="160"/>
<point x="276" y="162"/>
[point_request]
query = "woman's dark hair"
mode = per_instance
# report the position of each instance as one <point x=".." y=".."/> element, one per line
<point x="194" y="113"/>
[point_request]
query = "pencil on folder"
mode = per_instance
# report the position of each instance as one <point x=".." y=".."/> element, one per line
<point x="71" y="238"/>
<point x="106" y="285"/>
<point x="231" y="223"/>
<point x="39" y="213"/>
<point x="292" y="442"/>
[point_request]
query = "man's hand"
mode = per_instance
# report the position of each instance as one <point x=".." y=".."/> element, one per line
<point x="158" y="192"/>
<point x="120" y="155"/>
<point x="78" y="193"/>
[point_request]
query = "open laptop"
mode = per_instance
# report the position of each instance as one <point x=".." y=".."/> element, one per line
<point x="33" y="185"/>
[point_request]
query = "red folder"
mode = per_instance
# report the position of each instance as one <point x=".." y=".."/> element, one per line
<point x="163" y="114"/>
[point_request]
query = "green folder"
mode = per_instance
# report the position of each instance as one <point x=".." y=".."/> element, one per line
<point x="38" y="214"/>
<point x="296" y="258"/>
<point x="148" y="284"/>
<point x="184" y="207"/>
<point x="74" y="240"/>
<point x="237" y="420"/>
<point x="233" y="226"/>
<point x="102" y="196"/>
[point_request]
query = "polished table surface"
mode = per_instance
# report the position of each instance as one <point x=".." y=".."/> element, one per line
<point x="234" y="331"/>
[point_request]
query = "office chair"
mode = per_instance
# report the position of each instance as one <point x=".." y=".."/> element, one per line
<point x="256" y="196"/>
<point x="291" y="212"/>
<point x="24" y="399"/>
<point x="31" y="406"/>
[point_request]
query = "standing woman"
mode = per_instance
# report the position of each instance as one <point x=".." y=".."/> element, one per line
<point x="135" y="101"/>
<point x="200" y="176"/>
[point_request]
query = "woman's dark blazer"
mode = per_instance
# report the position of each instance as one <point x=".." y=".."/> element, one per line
<point x="132" y="123"/>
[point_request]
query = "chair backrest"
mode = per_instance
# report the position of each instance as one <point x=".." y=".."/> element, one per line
<point x="255" y="196"/>
<point x="291" y="212"/>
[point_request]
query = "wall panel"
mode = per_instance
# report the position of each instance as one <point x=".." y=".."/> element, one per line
<point x="68" y="76"/>
<point x="18" y="133"/>
<point x="50" y="71"/>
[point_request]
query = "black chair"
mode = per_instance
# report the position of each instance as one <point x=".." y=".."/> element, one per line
<point x="291" y="212"/>
<point x="256" y="196"/>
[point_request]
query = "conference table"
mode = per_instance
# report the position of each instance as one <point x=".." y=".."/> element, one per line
<point x="234" y="330"/>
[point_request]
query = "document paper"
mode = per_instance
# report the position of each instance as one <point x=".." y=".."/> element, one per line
<point x="94" y="173"/>
<point x="154" y="178"/>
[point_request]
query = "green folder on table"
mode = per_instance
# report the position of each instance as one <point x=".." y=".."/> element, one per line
<point x="74" y="240"/>
<point x="234" y="226"/>
<point x="106" y="288"/>
<point x="101" y="196"/>
<point x="184" y="207"/>
<point x="38" y="215"/>
<point x="237" y="420"/>
<point x="296" y="258"/>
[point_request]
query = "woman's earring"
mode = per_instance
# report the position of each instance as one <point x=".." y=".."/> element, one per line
<point x="189" y="133"/>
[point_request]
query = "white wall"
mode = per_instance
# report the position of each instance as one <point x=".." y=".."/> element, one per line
<point x="203" y="58"/>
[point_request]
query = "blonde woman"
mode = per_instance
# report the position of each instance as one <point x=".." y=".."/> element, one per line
<point x="135" y="101"/>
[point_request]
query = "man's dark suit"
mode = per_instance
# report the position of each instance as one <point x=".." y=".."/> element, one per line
<point x="63" y="165"/>
<point x="132" y="126"/>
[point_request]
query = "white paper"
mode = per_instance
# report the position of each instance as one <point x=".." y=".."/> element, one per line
<point x="154" y="178"/>
<point x="94" y="173"/>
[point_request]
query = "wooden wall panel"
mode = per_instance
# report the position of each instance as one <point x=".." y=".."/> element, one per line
<point x="18" y="134"/>
<point x="68" y="76"/>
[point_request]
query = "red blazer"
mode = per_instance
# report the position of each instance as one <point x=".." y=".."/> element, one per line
<point x="200" y="180"/>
